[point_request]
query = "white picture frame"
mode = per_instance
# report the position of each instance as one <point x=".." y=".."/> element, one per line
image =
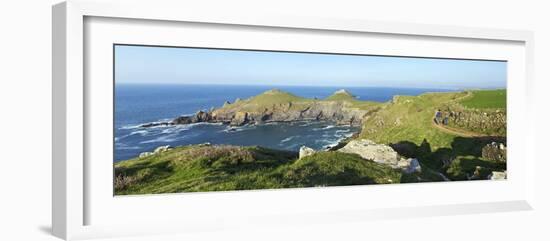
<point x="73" y="192"/>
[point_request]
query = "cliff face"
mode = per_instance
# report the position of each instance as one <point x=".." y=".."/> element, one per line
<point x="278" y="106"/>
<point x="337" y="111"/>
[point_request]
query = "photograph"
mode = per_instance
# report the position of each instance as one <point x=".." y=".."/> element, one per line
<point x="190" y="119"/>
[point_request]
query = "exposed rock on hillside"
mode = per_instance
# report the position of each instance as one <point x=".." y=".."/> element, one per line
<point x="383" y="154"/>
<point x="161" y="149"/>
<point x="487" y="121"/>
<point x="306" y="151"/>
<point x="279" y="106"/>
<point x="494" y="151"/>
<point x="156" y="151"/>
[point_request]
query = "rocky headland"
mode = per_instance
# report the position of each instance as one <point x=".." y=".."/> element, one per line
<point x="275" y="105"/>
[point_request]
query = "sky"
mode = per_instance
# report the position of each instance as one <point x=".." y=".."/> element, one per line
<point x="166" y="65"/>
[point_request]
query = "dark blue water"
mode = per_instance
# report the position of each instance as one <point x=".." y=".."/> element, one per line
<point x="138" y="104"/>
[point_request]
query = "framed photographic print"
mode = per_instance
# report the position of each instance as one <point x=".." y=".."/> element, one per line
<point x="200" y="122"/>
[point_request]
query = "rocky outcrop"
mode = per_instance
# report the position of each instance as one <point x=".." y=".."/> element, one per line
<point x="340" y="112"/>
<point x="305" y="151"/>
<point x="278" y="106"/>
<point x="200" y="116"/>
<point x="382" y="154"/>
<point x="239" y="119"/>
<point x="494" y="151"/>
<point x="487" y="121"/>
<point x="145" y="154"/>
<point x="157" y="150"/>
<point x="161" y="149"/>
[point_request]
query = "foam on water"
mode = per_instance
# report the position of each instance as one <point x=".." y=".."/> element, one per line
<point x="287" y="139"/>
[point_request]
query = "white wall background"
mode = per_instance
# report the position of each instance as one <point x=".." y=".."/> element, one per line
<point x="25" y="119"/>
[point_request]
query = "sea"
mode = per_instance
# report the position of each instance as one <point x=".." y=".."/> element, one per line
<point x="137" y="104"/>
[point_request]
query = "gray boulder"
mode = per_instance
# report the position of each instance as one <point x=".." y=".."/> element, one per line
<point x="369" y="150"/>
<point x="145" y="154"/>
<point x="382" y="154"/>
<point x="161" y="149"/>
<point x="306" y="151"/>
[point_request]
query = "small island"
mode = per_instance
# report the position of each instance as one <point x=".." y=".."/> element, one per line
<point x="444" y="136"/>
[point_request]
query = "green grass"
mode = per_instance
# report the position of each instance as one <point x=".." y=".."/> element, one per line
<point x="222" y="168"/>
<point x="409" y="118"/>
<point x="284" y="99"/>
<point x="337" y="169"/>
<point x="341" y="95"/>
<point x="275" y="96"/>
<point x="486" y="99"/>
<point x="405" y="123"/>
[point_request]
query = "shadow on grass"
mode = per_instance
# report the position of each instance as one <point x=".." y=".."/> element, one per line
<point x="147" y="169"/>
<point x="263" y="158"/>
<point x="311" y="175"/>
<point x="459" y="161"/>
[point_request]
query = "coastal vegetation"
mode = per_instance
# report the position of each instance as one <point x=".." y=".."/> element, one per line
<point x="486" y="99"/>
<point x="399" y="142"/>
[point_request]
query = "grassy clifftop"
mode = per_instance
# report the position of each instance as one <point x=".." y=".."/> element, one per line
<point x="213" y="168"/>
<point x="278" y="97"/>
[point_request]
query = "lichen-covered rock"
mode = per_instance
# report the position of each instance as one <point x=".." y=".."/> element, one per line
<point x="369" y="150"/>
<point x="485" y="121"/>
<point x="382" y="154"/>
<point x="494" y="151"/>
<point x="306" y="151"/>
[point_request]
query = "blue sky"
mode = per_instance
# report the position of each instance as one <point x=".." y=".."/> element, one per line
<point x="164" y="65"/>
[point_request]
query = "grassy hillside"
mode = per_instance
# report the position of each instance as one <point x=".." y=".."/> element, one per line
<point x="407" y="125"/>
<point x="277" y="97"/>
<point x="410" y="118"/>
<point x="483" y="99"/>
<point x="341" y="95"/>
<point x="268" y="99"/>
<point x="214" y="168"/>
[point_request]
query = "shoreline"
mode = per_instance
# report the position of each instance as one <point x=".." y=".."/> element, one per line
<point x="329" y="147"/>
